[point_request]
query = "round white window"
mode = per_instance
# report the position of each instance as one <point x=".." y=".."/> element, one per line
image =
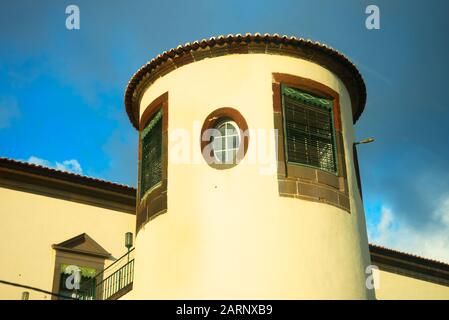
<point x="226" y="142"/>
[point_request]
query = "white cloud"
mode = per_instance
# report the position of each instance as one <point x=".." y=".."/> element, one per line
<point x="67" y="165"/>
<point x="385" y="225"/>
<point x="430" y="240"/>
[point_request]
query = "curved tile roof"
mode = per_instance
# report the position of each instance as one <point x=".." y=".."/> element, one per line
<point x="375" y="248"/>
<point x="63" y="175"/>
<point x="241" y="44"/>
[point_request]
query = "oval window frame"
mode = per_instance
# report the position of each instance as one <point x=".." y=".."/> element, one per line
<point x="211" y="122"/>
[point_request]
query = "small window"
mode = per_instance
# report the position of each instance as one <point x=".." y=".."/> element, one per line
<point x="87" y="283"/>
<point x="151" y="163"/>
<point x="79" y="261"/>
<point x="226" y="142"/>
<point x="224" y="138"/>
<point x="309" y="129"/>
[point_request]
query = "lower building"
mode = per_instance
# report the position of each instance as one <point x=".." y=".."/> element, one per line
<point x="53" y="222"/>
<point x="248" y="188"/>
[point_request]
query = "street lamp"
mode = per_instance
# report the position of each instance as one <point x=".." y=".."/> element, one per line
<point x="367" y="140"/>
<point x="128" y="241"/>
<point x="356" y="162"/>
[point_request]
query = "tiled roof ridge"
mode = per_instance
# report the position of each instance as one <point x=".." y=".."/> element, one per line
<point x="62" y="172"/>
<point x="145" y="71"/>
<point x="411" y="255"/>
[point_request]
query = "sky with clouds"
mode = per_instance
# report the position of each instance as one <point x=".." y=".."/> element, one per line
<point x="61" y="91"/>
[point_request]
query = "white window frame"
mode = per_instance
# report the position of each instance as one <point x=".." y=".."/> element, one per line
<point x="229" y="151"/>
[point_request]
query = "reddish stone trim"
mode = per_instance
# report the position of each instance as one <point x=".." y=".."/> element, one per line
<point x="247" y="44"/>
<point x="304" y="182"/>
<point x="212" y="120"/>
<point x="154" y="201"/>
<point x="153" y="107"/>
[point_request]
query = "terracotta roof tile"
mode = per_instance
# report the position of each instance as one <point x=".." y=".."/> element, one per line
<point x="375" y="247"/>
<point x="352" y="77"/>
<point x="23" y="165"/>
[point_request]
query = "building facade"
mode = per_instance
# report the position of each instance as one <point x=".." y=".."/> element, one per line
<point x="248" y="189"/>
<point x="45" y="229"/>
<point x="239" y="229"/>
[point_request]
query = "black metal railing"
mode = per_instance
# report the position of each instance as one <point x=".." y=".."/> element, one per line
<point x="117" y="281"/>
<point x="110" y="281"/>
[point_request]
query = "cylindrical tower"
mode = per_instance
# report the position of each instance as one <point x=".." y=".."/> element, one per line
<point x="247" y="185"/>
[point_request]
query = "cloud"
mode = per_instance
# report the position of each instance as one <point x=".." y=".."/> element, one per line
<point x="39" y="161"/>
<point x="67" y="165"/>
<point x="9" y="111"/>
<point x="70" y="165"/>
<point x="430" y="240"/>
<point x="384" y="226"/>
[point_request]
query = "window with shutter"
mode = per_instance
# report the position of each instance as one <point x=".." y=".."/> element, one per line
<point x="309" y="130"/>
<point x="151" y="161"/>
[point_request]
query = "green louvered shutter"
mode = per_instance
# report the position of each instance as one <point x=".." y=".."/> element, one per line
<point x="309" y="129"/>
<point x="151" y="163"/>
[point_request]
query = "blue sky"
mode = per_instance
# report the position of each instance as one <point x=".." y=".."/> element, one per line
<point x="61" y="91"/>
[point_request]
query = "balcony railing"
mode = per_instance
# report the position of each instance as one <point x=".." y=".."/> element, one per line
<point x="119" y="281"/>
<point x="111" y="283"/>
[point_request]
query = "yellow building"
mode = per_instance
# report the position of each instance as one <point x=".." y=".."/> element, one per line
<point x="248" y="189"/>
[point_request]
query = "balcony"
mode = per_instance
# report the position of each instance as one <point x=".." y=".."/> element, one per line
<point x="113" y="282"/>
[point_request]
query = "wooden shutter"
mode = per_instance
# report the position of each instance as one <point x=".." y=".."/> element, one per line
<point x="309" y="130"/>
<point x="151" y="162"/>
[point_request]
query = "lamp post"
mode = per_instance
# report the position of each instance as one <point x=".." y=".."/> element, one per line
<point x="367" y="140"/>
<point x="356" y="162"/>
<point x="128" y="241"/>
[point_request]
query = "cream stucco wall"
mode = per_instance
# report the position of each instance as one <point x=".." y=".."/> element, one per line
<point x="227" y="233"/>
<point x="392" y="286"/>
<point x="31" y="223"/>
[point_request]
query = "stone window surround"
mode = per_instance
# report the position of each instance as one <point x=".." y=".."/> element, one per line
<point x="154" y="202"/>
<point x="77" y="259"/>
<point x="302" y="182"/>
<point x="211" y="121"/>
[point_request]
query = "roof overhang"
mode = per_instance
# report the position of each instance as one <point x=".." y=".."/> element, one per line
<point x="243" y="44"/>
<point x="23" y="176"/>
